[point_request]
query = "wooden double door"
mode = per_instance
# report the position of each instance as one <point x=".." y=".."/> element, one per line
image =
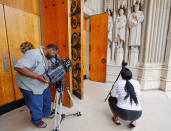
<point x="16" y="27"/>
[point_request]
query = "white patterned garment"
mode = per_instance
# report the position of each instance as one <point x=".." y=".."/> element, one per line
<point x="119" y="92"/>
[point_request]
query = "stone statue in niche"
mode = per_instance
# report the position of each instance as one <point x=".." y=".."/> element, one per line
<point x="110" y="28"/>
<point x="135" y="20"/>
<point x="119" y="30"/>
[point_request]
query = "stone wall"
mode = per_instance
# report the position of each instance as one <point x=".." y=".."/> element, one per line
<point x="145" y="56"/>
<point x="92" y="7"/>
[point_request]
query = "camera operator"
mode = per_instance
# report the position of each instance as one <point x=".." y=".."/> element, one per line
<point x="30" y="79"/>
<point x="124" y="100"/>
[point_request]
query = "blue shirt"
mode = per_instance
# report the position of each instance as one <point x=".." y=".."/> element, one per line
<point x="35" y="61"/>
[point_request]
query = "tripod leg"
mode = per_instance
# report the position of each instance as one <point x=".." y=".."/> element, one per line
<point x="70" y="95"/>
<point x="78" y="112"/>
<point x="60" y="110"/>
<point x="56" y="107"/>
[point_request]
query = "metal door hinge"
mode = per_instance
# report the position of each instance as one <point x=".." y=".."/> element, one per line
<point x="5" y="62"/>
<point x="14" y="60"/>
<point x="90" y="28"/>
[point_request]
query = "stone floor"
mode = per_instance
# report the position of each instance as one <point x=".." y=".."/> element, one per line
<point x="96" y="115"/>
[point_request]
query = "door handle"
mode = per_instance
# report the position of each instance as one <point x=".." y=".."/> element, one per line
<point x="103" y="61"/>
<point x="14" y="60"/>
<point x="5" y="62"/>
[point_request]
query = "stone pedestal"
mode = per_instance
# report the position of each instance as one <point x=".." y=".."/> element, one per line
<point x="133" y="56"/>
<point x="119" y="56"/>
<point x="166" y="79"/>
<point x="149" y="76"/>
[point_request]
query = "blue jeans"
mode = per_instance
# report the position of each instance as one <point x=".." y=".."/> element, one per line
<point x="39" y="105"/>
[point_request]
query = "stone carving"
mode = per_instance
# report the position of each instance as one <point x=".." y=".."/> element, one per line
<point x="134" y="22"/>
<point x="121" y="4"/>
<point x="25" y="46"/>
<point x="108" y="4"/>
<point x="110" y="28"/>
<point x="119" y="30"/>
<point x="133" y="2"/>
<point x="139" y="2"/>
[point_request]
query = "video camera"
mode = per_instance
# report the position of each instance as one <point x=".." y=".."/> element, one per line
<point x="55" y="73"/>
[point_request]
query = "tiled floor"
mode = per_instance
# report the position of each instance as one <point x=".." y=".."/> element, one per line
<point x="96" y="115"/>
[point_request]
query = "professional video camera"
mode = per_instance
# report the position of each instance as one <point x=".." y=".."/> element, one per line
<point x="56" y="72"/>
<point x="55" y="75"/>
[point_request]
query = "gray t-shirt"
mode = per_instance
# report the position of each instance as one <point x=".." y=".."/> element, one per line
<point x="35" y="61"/>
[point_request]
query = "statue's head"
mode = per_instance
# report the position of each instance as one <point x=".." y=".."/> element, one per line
<point x="136" y="7"/>
<point x="121" y="12"/>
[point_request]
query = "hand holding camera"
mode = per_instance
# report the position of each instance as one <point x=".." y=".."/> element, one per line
<point x="42" y="79"/>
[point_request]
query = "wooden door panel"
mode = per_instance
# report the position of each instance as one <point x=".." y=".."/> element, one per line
<point x="7" y="94"/>
<point x="31" y="6"/>
<point x="1" y="1"/>
<point x="55" y="26"/>
<point x="98" y="47"/>
<point x="21" y="27"/>
<point x="84" y="45"/>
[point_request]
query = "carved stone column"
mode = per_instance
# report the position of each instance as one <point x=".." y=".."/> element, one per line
<point x="150" y="71"/>
<point x="166" y="73"/>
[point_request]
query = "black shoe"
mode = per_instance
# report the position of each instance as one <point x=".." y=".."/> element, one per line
<point x="131" y="125"/>
<point x="116" y="122"/>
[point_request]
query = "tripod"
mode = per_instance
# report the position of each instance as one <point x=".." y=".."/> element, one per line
<point x="60" y="96"/>
<point x="124" y="64"/>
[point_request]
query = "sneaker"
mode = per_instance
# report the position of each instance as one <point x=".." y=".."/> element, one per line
<point x="41" y="124"/>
